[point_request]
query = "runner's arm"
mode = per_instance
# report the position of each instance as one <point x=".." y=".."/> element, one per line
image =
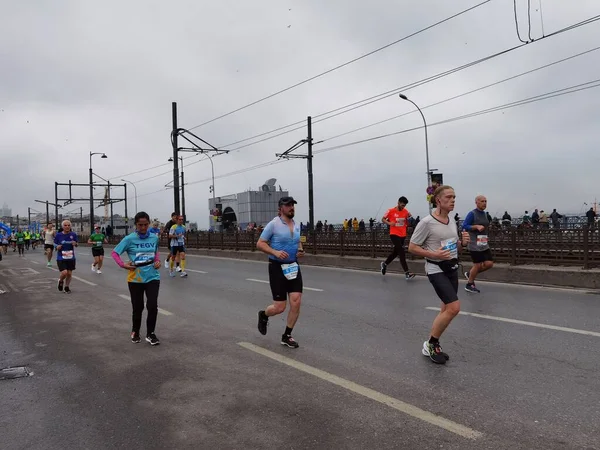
<point x="468" y="222"/>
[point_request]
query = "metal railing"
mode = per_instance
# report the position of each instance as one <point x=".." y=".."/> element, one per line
<point x="564" y="247"/>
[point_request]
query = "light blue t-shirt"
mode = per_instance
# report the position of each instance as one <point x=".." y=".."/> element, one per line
<point x="279" y="236"/>
<point x="140" y="251"/>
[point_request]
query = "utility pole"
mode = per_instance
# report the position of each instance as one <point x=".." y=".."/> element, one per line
<point x="28" y="218"/>
<point x="47" y="213"/>
<point x="311" y="214"/>
<point x="56" y="204"/>
<point x="81" y="219"/>
<point x="289" y="155"/>
<point x="183" y="195"/>
<point x="174" y="135"/>
<point x="126" y="217"/>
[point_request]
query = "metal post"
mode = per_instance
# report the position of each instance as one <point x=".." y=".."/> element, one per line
<point x="311" y="214"/>
<point x="28" y="218"/>
<point x="126" y="218"/>
<point x="81" y="219"/>
<point x="56" y="204"/>
<point x="175" y="158"/>
<point x="47" y="213"/>
<point x="91" y="196"/>
<point x="183" y="197"/>
<point x="112" y="223"/>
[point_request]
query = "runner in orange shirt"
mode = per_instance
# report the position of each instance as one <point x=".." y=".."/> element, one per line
<point x="397" y="219"/>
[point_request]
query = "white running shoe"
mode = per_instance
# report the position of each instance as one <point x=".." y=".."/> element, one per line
<point x="93" y="267"/>
<point x="183" y="274"/>
<point x="98" y="271"/>
<point x="178" y="269"/>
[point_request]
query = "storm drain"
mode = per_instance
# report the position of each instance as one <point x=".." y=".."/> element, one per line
<point x="15" y="372"/>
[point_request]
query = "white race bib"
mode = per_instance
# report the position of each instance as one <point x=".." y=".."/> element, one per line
<point x="143" y="258"/>
<point x="482" y="240"/>
<point x="451" y="244"/>
<point x="67" y="254"/>
<point x="290" y="271"/>
<point x="400" y="222"/>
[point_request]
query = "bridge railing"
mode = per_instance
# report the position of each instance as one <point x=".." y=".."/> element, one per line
<point x="564" y="247"/>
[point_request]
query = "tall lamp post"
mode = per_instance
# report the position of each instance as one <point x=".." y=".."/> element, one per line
<point x="135" y="191"/>
<point x="404" y="97"/>
<point x="182" y="189"/>
<point x="92" y="189"/>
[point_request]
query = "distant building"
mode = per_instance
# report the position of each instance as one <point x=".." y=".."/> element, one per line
<point x="257" y="207"/>
<point x="5" y="211"/>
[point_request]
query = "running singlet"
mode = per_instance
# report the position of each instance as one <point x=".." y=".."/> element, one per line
<point x="49" y="237"/>
<point x="97" y="240"/>
<point x="399" y="221"/>
<point x="67" y="251"/>
<point x="20" y="238"/>
<point x="179" y="232"/>
<point x="140" y="252"/>
<point x="279" y="236"/>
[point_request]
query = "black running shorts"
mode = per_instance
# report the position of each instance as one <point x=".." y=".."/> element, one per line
<point x="97" y="251"/>
<point x="280" y="285"/>
<point x="445" y="285"/>
<point x="178" y="249"/>
<point x="68" y="264"/>
<point x="48" y="246"/>
<point x="479" y="257"/>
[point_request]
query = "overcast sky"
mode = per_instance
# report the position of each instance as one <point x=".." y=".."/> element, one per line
<point x="80" y="76"/>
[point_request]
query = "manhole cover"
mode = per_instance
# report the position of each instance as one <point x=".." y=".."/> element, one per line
<point x="15" y="372"/>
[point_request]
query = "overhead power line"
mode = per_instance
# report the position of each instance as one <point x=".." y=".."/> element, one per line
<point x="534" y="99"/>
<point x="314" y="77"/>
<point x="376" y="97"/>
<point x="367" y="101"/>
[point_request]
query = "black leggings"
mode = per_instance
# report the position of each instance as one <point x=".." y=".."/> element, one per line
<point x="398" y="251"/>
<point x="137" y="302"/>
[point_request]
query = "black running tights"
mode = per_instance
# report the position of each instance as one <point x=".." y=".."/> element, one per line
<point x="137" y="291"/>
<point x="398" y="251"/>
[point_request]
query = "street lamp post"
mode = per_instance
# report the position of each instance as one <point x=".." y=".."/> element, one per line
<point x="135" y="192"/>
<point x="92" y="189"/>
<point x="182" y="189"/>
<point x="404" y="97"/>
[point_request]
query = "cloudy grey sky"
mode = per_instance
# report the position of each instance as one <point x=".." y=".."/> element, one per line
<point x="80" y="76"/>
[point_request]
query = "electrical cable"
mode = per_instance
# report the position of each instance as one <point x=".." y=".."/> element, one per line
<point x="341" y="65"/>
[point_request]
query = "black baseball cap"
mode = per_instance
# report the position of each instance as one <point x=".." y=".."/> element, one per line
<point x="287" y="201"/>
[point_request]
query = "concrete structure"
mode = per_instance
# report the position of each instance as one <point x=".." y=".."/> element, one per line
<point x="5" y="211"/>
<point x="246" y="207"/>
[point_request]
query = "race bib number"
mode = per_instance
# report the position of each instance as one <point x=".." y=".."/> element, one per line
<point x="482" y="240"/>
<point x="290" y="271"/>
<point x="67" y="254"/>
<point x="400" y="222"/>
<point x="451" y="245"/>
<point x="180" y="240"/>
<point x="143" y="258"/>
<point x="98" y="244"/>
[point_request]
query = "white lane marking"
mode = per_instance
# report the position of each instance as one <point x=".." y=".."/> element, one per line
<point x="12" y="286"/>
<point x="76" y="277"/>
<point x="31" y="260"/>
<point x="160" y="310"/>
<point x="195" y="271"/>
<point x="392" y="402"/>
<point x="266" y="282"/>
<point x="524" y="322"/>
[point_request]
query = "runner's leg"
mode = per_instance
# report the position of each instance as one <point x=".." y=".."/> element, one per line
<point x="151" y="289"/>
<point x="136" y="291"/>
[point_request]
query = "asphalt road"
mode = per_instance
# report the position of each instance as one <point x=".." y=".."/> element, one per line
<point x="358" y="380"/>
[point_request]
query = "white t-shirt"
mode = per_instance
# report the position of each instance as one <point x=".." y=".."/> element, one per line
<point x="49" y="237"/>
<point x="431" y="234"/>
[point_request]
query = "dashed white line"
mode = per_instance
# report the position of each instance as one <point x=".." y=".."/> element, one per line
<point x="266" y="282"/>
<point x="31" y="260"/>
<point x="524" y="322"/>
<point x="392" y="402"/>
<point x="160" y="310"/>
<point x="12" y="286"/>
<point x="195" y="271"/>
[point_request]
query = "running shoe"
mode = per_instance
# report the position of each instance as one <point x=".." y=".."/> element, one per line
<point x="183" y="274"/>
<point x="93" y="267"/>
<point x="98" y="271"/>
<point x="383" y="268"/>
<point x="409" y="275"/>
<point x="435" y="353"/>
<point x="288" y="340"/>
<point x="172" y="274"/>
<point x="49" y="264"/>
<point x="60" y="285"/>
<point x="263" y="321"/>
<point x="135" y="337"/>
<point x="470" y="287"/>
<point x="178" y="269"/>
<point x="152" y="339"/>
<point x="67" y="290"/>
<point x="467" y="275"/>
